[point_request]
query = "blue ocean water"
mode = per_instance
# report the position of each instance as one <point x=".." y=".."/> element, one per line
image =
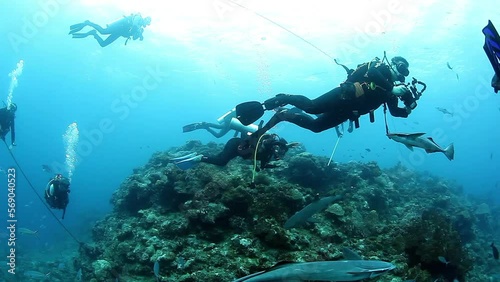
<point x="201" y="58"/>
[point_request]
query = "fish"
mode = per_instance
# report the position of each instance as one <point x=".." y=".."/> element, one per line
<point x="495" y="251"/>
<point x="411" y="140"/>
<point x="443" y="260"/>
<point x="368" y="150"/>
<point x="304" y="214"/>
<point x="47" y="168"/>
<point x="344" y="270"/>
<point x="156" y="270"/>
<point x="35" y="275"/>
<point x="451" y="68"/>
<point x="27" y="231"/>
<point x="444" y="111"/>
<point x="78" y="275"/>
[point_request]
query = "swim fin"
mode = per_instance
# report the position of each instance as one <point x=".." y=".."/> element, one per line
<point x="192" y="127"/>
<point x="181" y="158"/>
<point x="492" y="46"/>
<point x="189" y="162"/>
<point x="77" y="27"/>
<point x="249" y="112"/>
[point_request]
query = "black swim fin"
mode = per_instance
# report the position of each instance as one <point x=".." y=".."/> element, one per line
<point x="249" y="112"/>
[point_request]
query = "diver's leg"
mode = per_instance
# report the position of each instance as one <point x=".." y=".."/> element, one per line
<point x="108" y="40"/>
<point x="321" y="123"/>
<point x="83" y="35"/>
<point x="217" y="134"/>
<point x="97" y="27"/>
<point x="320" y="105"/>
<point x="229" y="152"/>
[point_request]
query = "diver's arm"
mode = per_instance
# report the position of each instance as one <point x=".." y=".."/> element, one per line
<point x="264" y="162"/>
<point x="375" y="76"/>
<point x="495" y="83"/>
<point x="392" y="104"/>
<point x="47" y="188"/>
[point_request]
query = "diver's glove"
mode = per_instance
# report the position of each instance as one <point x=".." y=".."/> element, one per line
<point x="400" y="90"/>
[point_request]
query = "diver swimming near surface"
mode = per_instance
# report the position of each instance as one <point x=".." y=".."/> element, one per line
<point x="129" y="27"/>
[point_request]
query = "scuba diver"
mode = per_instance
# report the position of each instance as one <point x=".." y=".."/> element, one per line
<point x="56" y="193"/>
<point x="368" y="87"/>
<point x="129" y="27"/>
<point x="7" y="116"/>
<point x="226" y="122"/>
<point x="265" y="149"/>
<point x="492" y="49"/>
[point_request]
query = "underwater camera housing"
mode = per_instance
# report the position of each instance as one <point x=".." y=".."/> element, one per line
<point x="411" y="97"/>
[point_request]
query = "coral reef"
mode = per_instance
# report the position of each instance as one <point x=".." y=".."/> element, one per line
<point x="208" y="223"/>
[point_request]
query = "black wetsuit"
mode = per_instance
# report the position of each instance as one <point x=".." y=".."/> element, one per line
<point x="59" y="199"/>
<point x="7" y="124"/>
<point x="342" y="103"/>
<point x="245" y="148"/>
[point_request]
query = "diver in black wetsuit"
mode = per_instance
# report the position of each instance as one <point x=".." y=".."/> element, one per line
<point x="270" y="147"/>
<point x="366" y="89"/>
<point x="129" y="27"/>
<point x="56" y="193"/>
<point x="7" y="117"/>
<point x="492" y="48"/>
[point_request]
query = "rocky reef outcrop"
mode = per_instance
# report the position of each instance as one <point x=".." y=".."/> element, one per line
<point x="208" y="224"/>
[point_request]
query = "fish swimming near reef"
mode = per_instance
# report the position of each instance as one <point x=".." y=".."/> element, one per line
<point x="27" y="231"/>
<point x="411" y="140"/>
<point x="36" y="275"/>
<point x="495" y="251"/>
<point x="306" y="213"/>
<point x="344" y="270"/>
<point x="156" y="270"/>
<point x="444" y="111"/>
<point x="78" y="276"/>
<point x="443" y="260"/>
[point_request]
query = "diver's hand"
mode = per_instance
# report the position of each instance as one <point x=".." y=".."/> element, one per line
<point x="495" y="83"/>
<point x="399" y="90"/>
<point x="12" y="146"/>
<point x="408" y="110"/>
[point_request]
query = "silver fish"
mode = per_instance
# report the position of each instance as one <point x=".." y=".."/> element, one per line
<point x="444" y="111"/>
